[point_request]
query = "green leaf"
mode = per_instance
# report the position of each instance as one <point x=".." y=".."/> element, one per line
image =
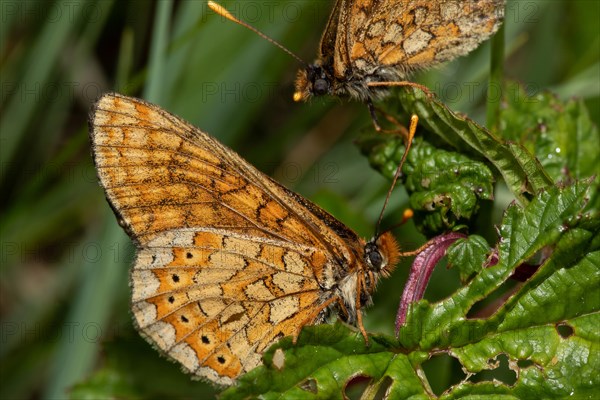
<point x="547" y="327"/>
<point x="325" y="359"/>
<point x="523" y="174"/>
<point x="524" y="232"/>
<point x="445" y="187"/>
<point x="561" y="366"/>
<point x="468" y="255"/>
<point x="559" y="133"/>
<point x="541" y="223"/>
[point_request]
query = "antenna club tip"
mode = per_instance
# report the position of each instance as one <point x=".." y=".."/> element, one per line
<point x="219" y="9"/>
<point x="408" y="214"/>
<point x="298" y="96"/>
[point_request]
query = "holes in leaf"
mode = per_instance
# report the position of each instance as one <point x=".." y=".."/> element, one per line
<point x="309" y="385"/>
<point x="499" y="370"/>
<point x="444" y="282"/>
<point x="489" y="305"/>
<point x="524" y="271"/>
<point x="564" y="330"/>
<point x="522" y="364"/>
<point x="278" y="359"/>
<point x="442" y="372"/>
<point x="356" y="386"/>
<point x="383" y="388"/>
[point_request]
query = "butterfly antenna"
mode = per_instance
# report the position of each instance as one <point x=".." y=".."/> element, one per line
<point x="406" y="216"/>
<point x="219" y="9"/>
<point x="414" y="119"/>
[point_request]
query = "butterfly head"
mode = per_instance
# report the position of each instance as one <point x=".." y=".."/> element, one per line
<point x="312" y="81"/>
<point x="380" y="257"/>
<point x="382" y="253"/>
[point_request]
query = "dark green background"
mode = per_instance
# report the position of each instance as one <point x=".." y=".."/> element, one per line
<point x="64" y="260"/>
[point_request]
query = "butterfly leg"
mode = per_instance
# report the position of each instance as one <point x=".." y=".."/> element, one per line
<point x="419" y="250"/>
<point x="359" y="321"/>
<point x="373" y="112"/>
<point x="400" y="128"/>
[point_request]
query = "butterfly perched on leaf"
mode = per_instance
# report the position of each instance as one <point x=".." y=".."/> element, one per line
<point x="228" y="261"/>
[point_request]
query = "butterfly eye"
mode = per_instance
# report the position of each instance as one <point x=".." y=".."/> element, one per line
<point x="376" y="260"/>
<point x="373" y="256"/>
<point x="321" y="86"/>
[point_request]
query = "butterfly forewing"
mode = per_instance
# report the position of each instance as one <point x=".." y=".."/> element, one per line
<point x="417" y="33"/>
<point x="384" y="40"/>
<point x="229" y="260"/>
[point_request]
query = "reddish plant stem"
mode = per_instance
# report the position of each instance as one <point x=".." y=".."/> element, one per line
<point x="420" y="273"/>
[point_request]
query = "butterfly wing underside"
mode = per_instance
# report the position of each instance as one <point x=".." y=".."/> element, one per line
<point x="228" y="260"/>
<point x="397" y="37"/>
<point x="331" y="37"/>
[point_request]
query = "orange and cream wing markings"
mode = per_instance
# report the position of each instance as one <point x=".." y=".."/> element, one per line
<point x="228" y="261"/>
<point x="383" y="41"/>
<point x="221" y="298"/>
<point x="417" y="33"/>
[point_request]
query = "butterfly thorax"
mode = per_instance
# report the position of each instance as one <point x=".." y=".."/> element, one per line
<point x="319" y="79"/>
